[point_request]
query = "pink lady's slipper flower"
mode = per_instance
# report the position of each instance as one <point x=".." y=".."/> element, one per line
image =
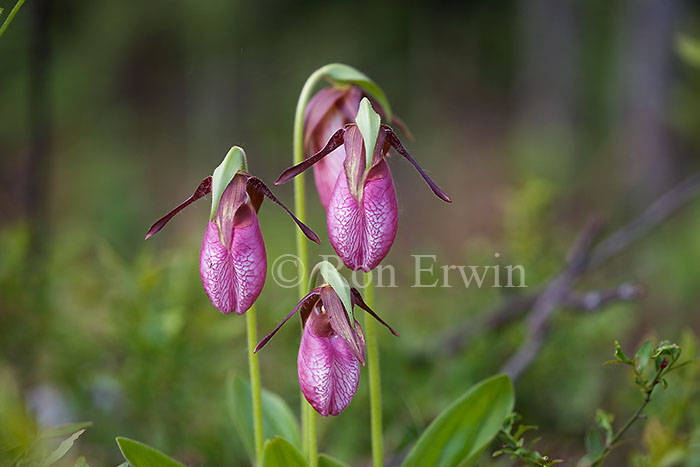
<point x="331" y="350"/>
<point x="233" y="263"/>
<point x="328" y="110"/>
<point x="362" y="212"/>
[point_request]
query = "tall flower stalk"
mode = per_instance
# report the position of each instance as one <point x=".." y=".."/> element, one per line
<point x="375" y="379"/>
<point x="340" y="74"/>
<point x="255" y="386"/>
<point x="233" y="261"/>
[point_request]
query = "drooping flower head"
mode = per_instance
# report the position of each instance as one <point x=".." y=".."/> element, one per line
<point x="362" y="212"/>
<point x="330" y="109"/>
<point x="332" y="345"/>
<point x="233" y="262"/>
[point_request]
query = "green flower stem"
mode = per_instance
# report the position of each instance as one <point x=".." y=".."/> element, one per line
<point x="375" y="381"/>
<point x="255" y="384"/>
<point x="308" y="417"/>
<point x="10" y="16"/>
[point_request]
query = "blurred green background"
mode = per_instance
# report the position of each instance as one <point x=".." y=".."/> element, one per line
<point x="532" y="115"/>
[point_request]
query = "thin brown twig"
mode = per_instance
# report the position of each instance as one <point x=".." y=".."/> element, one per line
<point x="557" y="292"/>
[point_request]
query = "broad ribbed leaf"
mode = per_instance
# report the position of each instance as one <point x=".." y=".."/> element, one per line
<point x="278" y="419"/>
<point x="279" y="453"/>
<point x="459" y="434"/>
<point x="234" y="161"/>
<point x="346" y="74"/>
<point x="142" y="455"/>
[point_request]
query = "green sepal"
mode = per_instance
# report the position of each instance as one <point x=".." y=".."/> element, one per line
<point x="368" y="122"/>
<point x="234" y="161"/>
<point x="340" y="285"/>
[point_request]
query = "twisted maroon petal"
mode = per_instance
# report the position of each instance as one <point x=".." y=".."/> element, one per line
<point x="329" y="373"/>
<point x="202" y="190"/>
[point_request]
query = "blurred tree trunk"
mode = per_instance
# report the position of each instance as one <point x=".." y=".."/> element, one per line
<point x="546" y="87"/>
<point x="646" y="157"/>
<point x="38" y="168"/>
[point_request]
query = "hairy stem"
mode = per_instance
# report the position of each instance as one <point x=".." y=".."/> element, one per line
<point x="255" y="384"/>
<point x="375" y="382"/>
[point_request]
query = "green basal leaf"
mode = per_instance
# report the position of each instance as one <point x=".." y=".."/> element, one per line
<point x="234" y="161"/>
<point x="278" y="452"/>
<point x="368" y="122"/>
<point x="142" y="455"/>
<point x="278" y="419"/>
<point x="81" y="462"/>
<point x="324" y="460"/>
<point x="62" y="449"/>
<point x="339" y="284"/>
<point x="643" y="356"/>
<point x="63" y="430"/>
<point x="464" y="430"/>
<point x="689" y="49"/>
<point x="341" y="73"/>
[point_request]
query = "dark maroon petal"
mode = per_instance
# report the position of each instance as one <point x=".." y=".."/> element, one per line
<point x="233" y="211"/>
<point x="341" y="323"/>
<point x="202" y="190"/>
<point x="391" y="137"/>
<point x="309" y="299"/>
<point x="355" y="161"/>
<point x="329" y="373"/>
<point x="335" y="142"/>
<point x="256" y="183"/>
<point x="357" y="300"/>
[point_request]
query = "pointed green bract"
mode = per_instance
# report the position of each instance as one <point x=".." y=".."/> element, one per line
<point x="279" y="452"/>
<point x="341" y="73"/>
<point x="339" y="284"/>
<point x="234" y="161"/>
<point x="142" y="455"/>
<point x="368" y="122"/>
<point x="460" y="434"/>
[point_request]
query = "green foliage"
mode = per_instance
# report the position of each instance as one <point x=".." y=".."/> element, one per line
<point x="689" y="49"/>
<point x="279" y="452"/>
<point x="278" y="419"/>
<point x="325" y="460"/>
<point x="665" y="357"/>
<point x="142" y="455"/>
<point x="513" y="443"/>
<point x="459" y="435"/>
